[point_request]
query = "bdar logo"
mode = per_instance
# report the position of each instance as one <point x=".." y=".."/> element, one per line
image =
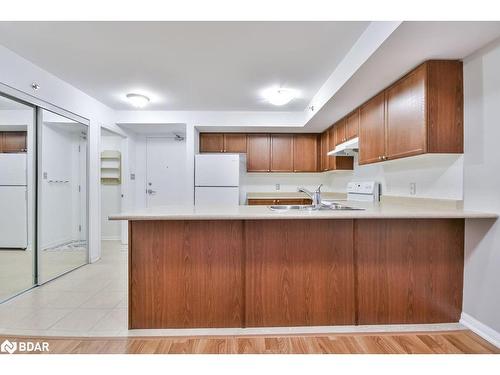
<point x="8" y="347"/>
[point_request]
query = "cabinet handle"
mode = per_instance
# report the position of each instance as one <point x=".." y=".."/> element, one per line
<point x="380" y="158"/>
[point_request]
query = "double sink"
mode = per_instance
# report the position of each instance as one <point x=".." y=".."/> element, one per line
<point x="322" y="207"/>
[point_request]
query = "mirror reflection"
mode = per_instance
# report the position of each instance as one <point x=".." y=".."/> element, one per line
<point x="63" y="197"/>
<point x="16" y="197"/>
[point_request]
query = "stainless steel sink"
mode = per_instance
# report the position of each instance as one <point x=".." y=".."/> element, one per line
<point x="324" y="207"/>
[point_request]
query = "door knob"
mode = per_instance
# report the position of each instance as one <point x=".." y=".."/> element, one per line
<point x="151" y="192"/>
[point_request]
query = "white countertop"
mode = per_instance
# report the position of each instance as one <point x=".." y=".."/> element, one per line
<point x="382" y="210"/>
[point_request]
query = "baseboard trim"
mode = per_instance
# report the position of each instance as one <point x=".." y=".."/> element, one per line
<point x="110" y="238"/>
<point x="487" y="333"/>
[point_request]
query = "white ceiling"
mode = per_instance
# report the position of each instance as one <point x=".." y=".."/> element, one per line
<point x="187" y="65"/>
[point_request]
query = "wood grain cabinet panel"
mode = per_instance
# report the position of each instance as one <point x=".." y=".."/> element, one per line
<point x="352" y="125"/>
<point x="186" y="274"/>
<point x="13" y="142"/>
<point x="211" y="142"/>
<point x="298" y="280"/>
<point x="409" y="271"/>
<point x="282" y="152"/>
<point x="235" y="142"/>
<point x="445" y="106"/>
<point x="326" y="162"/>
<point x="305" y="153"/>
<point x="406" y="115"/>
<point x="258" y="153"/>
<point x="372" y="130"/>
<point x="340" y="134"/>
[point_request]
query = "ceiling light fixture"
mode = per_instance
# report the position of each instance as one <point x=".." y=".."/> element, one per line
<point x="279" y="96"/>
<point x="138" y="100"/>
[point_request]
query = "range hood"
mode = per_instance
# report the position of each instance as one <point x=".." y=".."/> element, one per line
<point x="347" y="148"/>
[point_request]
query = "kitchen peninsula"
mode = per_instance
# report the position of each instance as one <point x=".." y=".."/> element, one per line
<point x="247" y="266"/>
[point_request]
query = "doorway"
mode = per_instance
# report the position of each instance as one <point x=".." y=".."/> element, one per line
<point x="166" y="171"/>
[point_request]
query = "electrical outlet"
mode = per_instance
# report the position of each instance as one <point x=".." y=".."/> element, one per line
<point x="413" y="188"/>
<point x="278" y="187"/>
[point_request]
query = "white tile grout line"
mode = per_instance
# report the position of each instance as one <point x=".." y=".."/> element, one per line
<point x="316" y="330"/>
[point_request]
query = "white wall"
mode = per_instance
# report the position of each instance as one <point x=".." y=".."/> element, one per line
<point x="482" y="187"/>
<point x="289" y="182"/>
<point x="111" y="194"/>
<point x="19" y="74"/>
<point x="436" y="176"/>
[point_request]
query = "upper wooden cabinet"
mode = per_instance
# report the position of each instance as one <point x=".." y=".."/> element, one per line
<point x="235" y="142"/>
<point x="258" y="153"/>
<point x="352" y="125"/>
<point x="340" y="134"/>
<point x="13" y="142"/>
<point x="305" y="153"/>
<point x="227" y="142"/>
<point x="323" y="147"/>
<point x="282" y="153"/>
<point x="372" y="130"/>
<point x="211" y="142"/>
<point x="423" y="113"/>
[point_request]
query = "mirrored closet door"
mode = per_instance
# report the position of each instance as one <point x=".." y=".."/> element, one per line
<point x="17" y="197"/>
<point x="62" y="200"/>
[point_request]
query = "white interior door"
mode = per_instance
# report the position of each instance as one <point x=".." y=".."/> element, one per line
<point x="166" y="171"/>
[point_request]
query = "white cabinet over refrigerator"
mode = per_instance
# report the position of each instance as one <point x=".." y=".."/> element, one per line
<point x="218" y="178"/>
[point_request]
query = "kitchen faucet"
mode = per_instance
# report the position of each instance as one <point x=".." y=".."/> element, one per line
<point x="315" y="196"/>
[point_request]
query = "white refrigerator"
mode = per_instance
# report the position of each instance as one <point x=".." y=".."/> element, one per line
<point x="13" y="201"/>
<point x="218" y="178"/>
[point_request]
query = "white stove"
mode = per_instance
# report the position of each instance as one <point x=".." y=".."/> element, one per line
<point x="368" y="191"/>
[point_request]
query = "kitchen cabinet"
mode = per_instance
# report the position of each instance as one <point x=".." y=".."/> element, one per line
<point x="13" y="142"/>
<point x="409" y="271"/>
<point x="282" y="153"/>
<point x="211" y="142"/>
<point x="278" y="201"/>
<point x="186" y="274"/>
<point x="258" y="153"/>
<point x="340" y="135"/>
<point x="372" y="130"/>
<point x="305" y="153"/>
<point x="292" y="279"/>
<point x="235" y="142"/>
<point x="226" y="142"/>
<point x="323" y="146"/>
<point x="352" y="125"/>
<point x="420" y="113"/>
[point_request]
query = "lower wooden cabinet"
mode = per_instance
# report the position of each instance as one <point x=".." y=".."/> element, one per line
<point x="278" y="272"/>
<point x="409" y="271"/>
<point x="186" y="274"/>
<point x="296" y="280"/>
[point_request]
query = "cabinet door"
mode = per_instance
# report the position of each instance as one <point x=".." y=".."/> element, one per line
<point x="236" y="143"/>
<point x="281" y="153"/>
<point x="305" y="153"/>
<point x="258" y="153"/>
<point x="1" y="142"/>
<point x="406" y="116"/>
<point x="409" y="271"/>
<point x="372" y="130"/>
<point x="324" y="159"/>
<point x="352" y="125"/>
<point x="299" y="273"/>
<point x="14" y="142"/>
<point x="332" y="137"/>
<point x="340" y="132"/>
<point x="211" y="142"/>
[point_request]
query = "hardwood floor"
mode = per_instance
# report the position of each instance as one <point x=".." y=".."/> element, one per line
<point x="446" y="342"/>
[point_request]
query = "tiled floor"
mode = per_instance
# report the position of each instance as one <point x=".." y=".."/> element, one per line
<point x="90" y="301"/>
<point x="16" y="266"/>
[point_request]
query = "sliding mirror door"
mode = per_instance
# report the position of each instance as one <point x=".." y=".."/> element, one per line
<point x="17" y="192"/>
<point x="62" y="201"/>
